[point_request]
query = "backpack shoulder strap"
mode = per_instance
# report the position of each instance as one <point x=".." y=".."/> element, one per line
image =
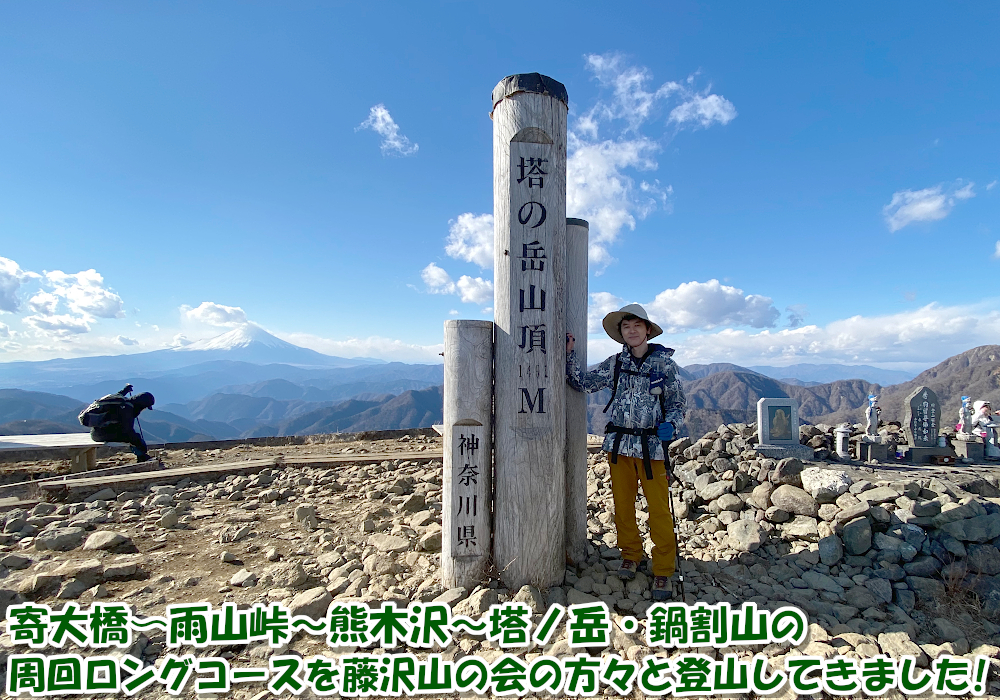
<point x="614" y="388"/>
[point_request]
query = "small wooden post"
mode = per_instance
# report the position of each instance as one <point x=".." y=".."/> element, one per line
<point x="529" y="210"/>
<point x="575" y="300"/>
<point x="466" y="492"/>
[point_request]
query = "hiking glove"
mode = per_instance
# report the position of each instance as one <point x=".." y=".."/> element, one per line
<point x="665" y="431"/>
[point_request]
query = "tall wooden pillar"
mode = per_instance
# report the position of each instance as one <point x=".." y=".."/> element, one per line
<point x="575" y="301"/>
<point x="466" y="492"/>
<point x="529" y="195"/>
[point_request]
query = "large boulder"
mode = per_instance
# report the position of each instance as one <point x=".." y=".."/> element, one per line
<point x="760" y="497"/>
<point x="831" y="549"/>
<point x="746" y="535"/>
<point x="311" y="603"/>
<point x="110" y="541"/>
<point x="802" y="527"/>
<point x="794" y="500"/>
<point x="59" y="539"/>
<point x="857" y="536"/>
<point x="389" y="543"/>
<point x="788" y="472"/>
<point x="825" y="484"/>
<point x="984" y="559"/>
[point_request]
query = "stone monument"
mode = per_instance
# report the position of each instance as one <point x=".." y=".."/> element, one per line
<point x="778" y="429"/>
<point x="921" y="423"/>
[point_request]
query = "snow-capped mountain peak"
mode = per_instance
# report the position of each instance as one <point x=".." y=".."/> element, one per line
<point x="243" y="336"/>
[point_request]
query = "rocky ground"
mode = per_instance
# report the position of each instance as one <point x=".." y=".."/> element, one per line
<point x="885" y="560"/>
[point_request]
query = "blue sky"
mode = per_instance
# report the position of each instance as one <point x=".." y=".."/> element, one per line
<point x="779" y="183"/>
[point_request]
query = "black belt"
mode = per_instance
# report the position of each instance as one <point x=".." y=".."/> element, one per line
<point x="640" y="432"/>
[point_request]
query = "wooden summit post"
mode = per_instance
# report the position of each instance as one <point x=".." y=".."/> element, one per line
<point x="468" y="399"/>
<point x="575" y="301"/>
<point x="529" y="206"/>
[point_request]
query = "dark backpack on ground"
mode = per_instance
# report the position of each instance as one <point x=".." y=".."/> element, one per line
<point x="104" y="412"/>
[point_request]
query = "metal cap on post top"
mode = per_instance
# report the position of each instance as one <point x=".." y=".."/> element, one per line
<point x="529" y="82"/>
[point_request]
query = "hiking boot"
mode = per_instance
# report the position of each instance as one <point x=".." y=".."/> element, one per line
<point x="662" y="589"/>
<point x="626" y="572"/>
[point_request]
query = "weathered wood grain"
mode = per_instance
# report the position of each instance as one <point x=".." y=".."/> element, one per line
<point x="575" y="301"/>
<point x="529" y="423"/>
<point x="468" y="370"/>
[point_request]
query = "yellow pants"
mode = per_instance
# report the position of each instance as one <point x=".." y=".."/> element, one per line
<point x="626" y="475"/>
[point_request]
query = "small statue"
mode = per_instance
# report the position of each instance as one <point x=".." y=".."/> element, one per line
<point x="965" y="416"/>
<point x="872" y="415"/>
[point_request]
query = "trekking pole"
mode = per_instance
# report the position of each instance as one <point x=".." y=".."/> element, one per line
<point x="673" y="520"/>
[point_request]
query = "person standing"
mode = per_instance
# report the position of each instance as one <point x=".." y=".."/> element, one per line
<point x="646" y="409"/>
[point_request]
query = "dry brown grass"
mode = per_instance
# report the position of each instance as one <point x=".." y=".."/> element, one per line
<point x="959" y="605"/>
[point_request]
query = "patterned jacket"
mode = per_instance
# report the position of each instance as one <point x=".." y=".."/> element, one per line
<point x="634" y="406"/>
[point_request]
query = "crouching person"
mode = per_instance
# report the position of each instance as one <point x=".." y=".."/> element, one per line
<point x="646" y="408"/>
<point x="112" y="418"/>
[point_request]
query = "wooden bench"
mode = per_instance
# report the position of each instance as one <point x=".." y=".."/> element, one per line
<point x="81" y="448"/>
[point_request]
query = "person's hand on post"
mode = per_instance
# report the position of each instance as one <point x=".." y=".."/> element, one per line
<point x="666" y="431"/>
<point x="570" y="342"/>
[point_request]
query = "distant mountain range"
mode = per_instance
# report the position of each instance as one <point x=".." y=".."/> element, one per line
<point x="411" y="409"/>
<point x="246" y="344"/>
<point x="806" y="374"/>
<point x="247" y="383"/>
<point x="725" y="393"/>
<point x="243" y="382"/>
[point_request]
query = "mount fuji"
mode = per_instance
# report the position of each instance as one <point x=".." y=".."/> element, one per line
<point x="248" y="347"/>
<point x="251" y="343"/>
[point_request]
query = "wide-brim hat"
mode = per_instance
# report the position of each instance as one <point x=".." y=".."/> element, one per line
<point x="612" y="322"/>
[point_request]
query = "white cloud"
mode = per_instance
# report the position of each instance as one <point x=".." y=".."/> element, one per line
<point x="470" y="238"/>
<point x="692" y="306"/>
<point x="122" y="340"/>
<point x="601" y="304"/>
<point x="631" y="100"/>
<point x="215" y="314"/>
<point x="393" y="143"/>
<point x="991" y="185"/>
<point x="707" y="305"/>
<point x="705" y="110"/>
<point x="472" y="290"/>
<point x="599" y="186"/>
<point x="453" y="312"/>
<point x="373" y="346"/>
<point x="179" y="341"/>
<point x="996" y="253"/>
<point x="598" y="190"/>
<point x="438" y="281"/>
<point x="60" y="325"/>
<point x="928" y="334"/>
<point x="11" y="277"/>
<point x="5" y="331"/>
<point x="605" y="150"/>
<point x="85" y="294"/>
<point x="930" y="204"/>
<point x="43" y="303"/>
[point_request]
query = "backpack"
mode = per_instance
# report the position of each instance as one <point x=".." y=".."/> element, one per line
<point x="617" y="376"/>
<point x="103" y="413"/>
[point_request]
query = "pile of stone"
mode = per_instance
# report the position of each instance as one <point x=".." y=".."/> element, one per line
<point x="846" y="549"/>
<point x="882" y="565"/>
